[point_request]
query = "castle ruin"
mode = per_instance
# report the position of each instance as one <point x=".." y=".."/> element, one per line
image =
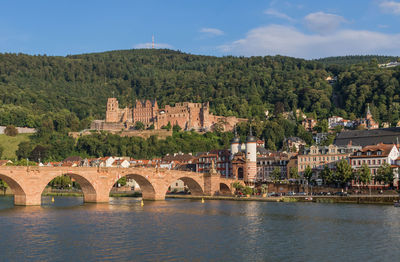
<point x="189" y="116"/>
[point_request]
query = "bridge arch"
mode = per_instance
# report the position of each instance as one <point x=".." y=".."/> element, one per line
<point x="224" y="189"/>
<point x="17" y="190"/>
<point x="147" y="188"/>
<point x="88" y="190"/>
<point x="194" y="186"/>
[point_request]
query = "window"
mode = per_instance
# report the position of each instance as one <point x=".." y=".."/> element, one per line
<point x="368" y="153"/>
<point x="379" y="153"/>
<point x="379" y="162"/>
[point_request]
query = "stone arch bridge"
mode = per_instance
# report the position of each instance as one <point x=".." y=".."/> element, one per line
<point x="28" y="183"/>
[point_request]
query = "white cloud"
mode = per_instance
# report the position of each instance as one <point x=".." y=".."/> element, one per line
<point x="285" y="40"/>
<point x="323" y="23"/>
<point x="390" y="7"/>
<point x="212" y="31"/>
<point x="156" y="45"/>
<point x="276" y="13"/>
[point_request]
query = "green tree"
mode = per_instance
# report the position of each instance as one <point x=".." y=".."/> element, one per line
<point x="139" y="125"/>
<point x="121" y="181"/>
<point x="364" y="174"/>
<point x="61" y="182"/>
<point x="264" y="188"/>
<point x="3" y="186"/>
<point x="308" y="173"/>
<point x="248" y="190"/>
<point x="276" y="174"/>
<point x="24" y="150"/>
<point x="322" y="126"/>
<point x="326" y="175"/>
<point x="1" y="151"/>
<point x="167" y="127"/>
<point x="176" y="128"/>
<point x="238" y="187"/>
<point x="385" y="174"/>
<point x="293" y="172"/>
<point x="344" y="173"/>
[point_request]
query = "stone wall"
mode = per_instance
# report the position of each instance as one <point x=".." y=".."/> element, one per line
<point x="161" y="134"/>
<point x="21" y="130"/>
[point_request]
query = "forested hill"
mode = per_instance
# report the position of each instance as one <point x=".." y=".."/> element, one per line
<point x="76" y="87"/>
<point x="356" y="59"/>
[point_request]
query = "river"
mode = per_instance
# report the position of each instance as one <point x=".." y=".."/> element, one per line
<point x="188" y="230"/>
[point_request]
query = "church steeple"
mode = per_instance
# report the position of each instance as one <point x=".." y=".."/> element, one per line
<point x="369" y="115"/>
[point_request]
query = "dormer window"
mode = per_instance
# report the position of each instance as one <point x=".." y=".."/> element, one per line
<point x="379" y="153"/>
<point x="368" y="153"/>
<point x="358" y="153"/>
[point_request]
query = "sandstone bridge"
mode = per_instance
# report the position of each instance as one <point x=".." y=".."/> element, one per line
<point x="28" y="183"/>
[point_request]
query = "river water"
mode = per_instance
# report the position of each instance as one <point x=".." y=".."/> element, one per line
<point x="187" y="230"/>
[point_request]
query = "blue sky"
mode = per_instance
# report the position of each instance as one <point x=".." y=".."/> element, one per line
<point x="307" y="28"/>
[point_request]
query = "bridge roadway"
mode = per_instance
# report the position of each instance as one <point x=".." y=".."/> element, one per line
<point x="28" y="183"/>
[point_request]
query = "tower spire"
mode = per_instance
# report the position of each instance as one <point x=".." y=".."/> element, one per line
<point x="152" y="42"/>
<point x="368" y="111"/>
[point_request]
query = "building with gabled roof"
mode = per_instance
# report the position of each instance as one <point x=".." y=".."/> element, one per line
<point x="374" y="156"/>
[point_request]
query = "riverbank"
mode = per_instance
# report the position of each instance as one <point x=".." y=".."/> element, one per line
<point x="353" y="199"/>
<point x="356" y="199"/>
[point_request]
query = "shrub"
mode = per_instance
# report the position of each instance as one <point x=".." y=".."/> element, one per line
<point x="11" y="130"/>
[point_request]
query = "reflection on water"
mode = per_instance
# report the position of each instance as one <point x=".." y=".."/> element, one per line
<point x="187" y="230"/>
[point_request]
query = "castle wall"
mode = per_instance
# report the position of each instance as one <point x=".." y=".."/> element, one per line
<point x="187" y="115"/>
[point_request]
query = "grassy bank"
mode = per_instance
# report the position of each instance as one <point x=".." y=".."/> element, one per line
<point x="10" y="144"/>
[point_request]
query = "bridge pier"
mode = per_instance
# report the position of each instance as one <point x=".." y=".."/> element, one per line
<point x="155" y="196"/>
<point x="211" y="184"/>
<point x="96" y="198"/>
<point x="27" y="200"/>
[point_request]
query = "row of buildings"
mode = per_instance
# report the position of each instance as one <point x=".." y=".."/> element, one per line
<point x="189" y="116"/>
<point x="250" y="161"/>
<point x="366" y="122"/>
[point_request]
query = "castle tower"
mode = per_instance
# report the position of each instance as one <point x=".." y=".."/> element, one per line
<point x="205" y="112"/>
<point x="112" y="110"/>
<point x="251" y="159"/>
<point x="235" y="145"/>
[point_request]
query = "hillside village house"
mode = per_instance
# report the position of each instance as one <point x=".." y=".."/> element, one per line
<point x="374" y="156"/>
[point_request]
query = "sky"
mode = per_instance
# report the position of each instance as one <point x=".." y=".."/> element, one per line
<point x="306" y="29"/>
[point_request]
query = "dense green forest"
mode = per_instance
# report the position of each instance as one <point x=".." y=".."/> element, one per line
<point x="61" y="94"/>
<point x="356" y="59"/>
<point x="77" y="86"/>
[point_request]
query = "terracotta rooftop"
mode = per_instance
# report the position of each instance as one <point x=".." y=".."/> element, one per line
<point x="384" y="148"/>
